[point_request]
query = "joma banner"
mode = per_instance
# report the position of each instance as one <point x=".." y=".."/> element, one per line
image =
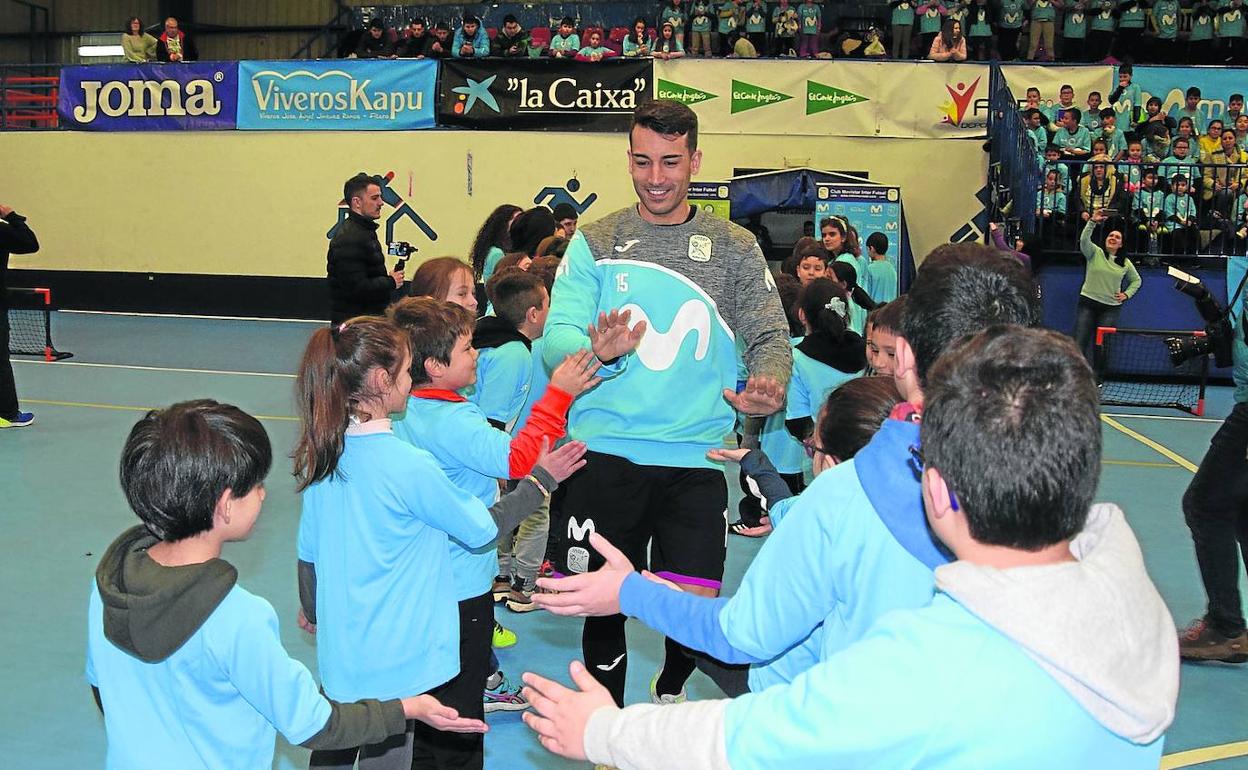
<point x="149" y="97"/>
<point x="542" y="94"/>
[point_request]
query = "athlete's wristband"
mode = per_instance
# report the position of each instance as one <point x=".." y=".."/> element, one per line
<point x="545" y="492"/>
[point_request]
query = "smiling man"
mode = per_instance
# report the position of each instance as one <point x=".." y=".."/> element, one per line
<point x="665" y="290"/>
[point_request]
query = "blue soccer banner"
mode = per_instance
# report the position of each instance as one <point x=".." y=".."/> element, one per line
<point x="341" y="95"/>
<point x="197" y="96"/>
<point x="869" y="208"/>
<point x="1170" y="84"/>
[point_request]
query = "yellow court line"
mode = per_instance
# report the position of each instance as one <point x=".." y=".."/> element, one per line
<point x="122" y="408"/>
<point x="1201" y="756"/>
<point x="1140" y="464"/>
<point x="1148" y="442"/>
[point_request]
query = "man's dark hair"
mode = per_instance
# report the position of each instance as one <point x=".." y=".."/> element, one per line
<point x="357" y="185"/>
<point x="1011" y="421"/>
<point x="470" y="19"/>
<point x="510" y="19"/>
<point x="877" y="242"/>
<point x="512" y="292"/>
<point x="961" y="289"/>
<point x="668" y="118"/>
<point x="565" y="211"/>
<point x="1097" y="93"/>
<point x="568" y="21"/>
<point x="1234" y="97"/>
<point x="178" y="461"/>
<point x="433" y="327"/>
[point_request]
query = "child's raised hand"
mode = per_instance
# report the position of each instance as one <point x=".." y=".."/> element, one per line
<point x="428" y="709"/>
<point x="576" y="374"/>
<point x="560" y="714"/>
<point x="562" y="462"/>
<point x="727" y="455"/>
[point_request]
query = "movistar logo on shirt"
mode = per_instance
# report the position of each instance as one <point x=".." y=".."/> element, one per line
<point x="658" y="349"/>
<point x="821" y="98"/>
<point x="746" y="96"/>
<point x="680" y="93"/>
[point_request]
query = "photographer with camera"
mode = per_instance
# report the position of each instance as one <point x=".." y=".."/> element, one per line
<point x="359" y="283"/>
<point x="1215" y="504"/>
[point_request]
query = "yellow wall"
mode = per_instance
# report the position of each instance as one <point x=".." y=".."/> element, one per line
<point x="260" y="203"/>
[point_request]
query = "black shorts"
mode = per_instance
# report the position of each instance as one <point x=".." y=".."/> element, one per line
<point x="680" y="513"/>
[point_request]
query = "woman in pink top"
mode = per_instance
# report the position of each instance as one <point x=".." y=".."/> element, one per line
<point x="949" y="45"/>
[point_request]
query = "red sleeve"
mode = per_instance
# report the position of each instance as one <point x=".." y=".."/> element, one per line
<point x="549" y="419"/>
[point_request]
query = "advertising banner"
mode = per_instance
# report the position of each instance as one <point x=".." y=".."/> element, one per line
<point x="869" y="208"/>
<point x="340" y="95"/>
<point x="1170" y="84"/>
<point x="711" y="197"/>
<point x="1050" y="79"/>
<point x="149" y="97"/>
<point x="949" y="101"/>
<point x="542" y="94"/>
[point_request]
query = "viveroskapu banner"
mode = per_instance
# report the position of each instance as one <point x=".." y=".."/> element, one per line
<point x="340" y="95"/>
<point x="542" y="94"/>
<point x="197" y="96"/>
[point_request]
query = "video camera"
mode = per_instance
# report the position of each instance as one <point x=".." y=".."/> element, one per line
<point x="1218" y="331"/>
<point x="402" y="249"/>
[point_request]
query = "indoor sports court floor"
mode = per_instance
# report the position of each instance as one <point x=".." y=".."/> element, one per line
<point x="62" y="507"/>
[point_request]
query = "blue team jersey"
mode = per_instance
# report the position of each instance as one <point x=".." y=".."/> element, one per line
<point x="785" y="452"/>
<point x="216" y="702"/>
<point x="504" y="374"/>
<point x="377" y="531"/>
<point x="881" y="281"/>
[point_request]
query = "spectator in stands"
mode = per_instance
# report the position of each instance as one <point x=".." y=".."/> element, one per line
<point x="1223" y="181"/>
<point x="440" y="46"/>
<point x="811" y="17"/>
<point x="755" y="16"/>
<point x="978" y="30"/>
<point x="1190" y="109"/>
<point x="784" y="27"/>
<point x="594" y="50"/>
<point x="674" y="14"/>
<point x="1055" y="112"/>
<point x="1241" y="132"/>
<point x="376" y="43"/>
<point x="1155" y="128"/>
<point x="1181" y="216"/>
<point x="471" y="41"/>
<point x="700" y="28"/>
<point x="1009" y="27"/>
<point x="416" y="42"/>
<point x="667" y="45"/>
<point x="1234" y="107"/>
<point x="567" y="43"/>
<point x="1053" y="159"/>
<point x="931" y="15"/>
<point x="1099" y="190"/>
<point x="1181" y="163"/>
<point x="1148" y="212"/>
<point x="1041" y="29"/>
<point x="902" y="21"/>
<point x="1092" y="114"/>
<point x="949" y="45"/>
<point x="1101" y="30"/>
<point x="742" y="48"/>
<point x="728" y="17"/>
<point x="1165" y="18"/>
<point x="1032" y="121"/>
<point x="1051" y="203"/>
<point x="637" y="44"/>
<point x="512" y="40"/>
<point x="1128" y="42"/>
<point x="16" y="237"/>
<point x="1211" y="140"/>
<point x="1129" y="170"/>
<point x="1099" y="146"/>
<point x="1073" y="139"/>
<point x="1187" y="129"/>
<point x="1103" y="292"/>
<point x="174" y="45"/>
<point x="359" y="283"/>
<point x="1230" y="30"/>
<point x="1075" y="34"/>
<point x="139" y="47"/>
<point x="1200" y="45"/>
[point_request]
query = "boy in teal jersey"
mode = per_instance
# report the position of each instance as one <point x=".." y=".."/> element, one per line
<point x="1053" y="162"/>
<point x="1051" y="199"/>
<point x="1056" y="111"/>
<point x="979" y="30"/>
<point x="1132" y="16"/>
<point x="665" y="290"/>
<point x="1181" y="216"/>
<point x="1230" y="30"/>
<point x="674" y="14"/>
<point x="1043" y="23"/>
<point x="931" y="15"/>
<point x="728" y="14"/>
<point x="1190" y="109"/>
<point x="1101" y="28"/>
<point x="503" y="342"/>
<point x="1148" y="209"/>
<point x="1115" y="139"/>
<point x="1009" y="25"/>
<point x="902" y="20"/>
<point x="811" y="18"/>
<point x="565" y="44"/>
<point x="1181" y="163"/>
<point x="1200" y="46"/>
<point x="700" y="28"/>
<point x="1165" y="20"/>
<point x="784" y="25"/>
<point x="1057" y="557"/>
<point x="1129" y="169"/>
<point x="756" y="25"/>
<point x="1073" y="139"/>
<point x="1075" y="34"/>
<point x="881" y="279"/>
<point x="1092" y="114"/>
<point x="187" y="665"/>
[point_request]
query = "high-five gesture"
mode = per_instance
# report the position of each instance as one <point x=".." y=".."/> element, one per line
<point x="562" y="712"/>
<point x="611" y="338"/>
<point x="592" y="594"/>
<point x="762" y="396"/>
<point x="576" y="374"/>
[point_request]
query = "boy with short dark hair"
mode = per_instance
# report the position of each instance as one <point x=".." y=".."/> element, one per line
<point x="187" y="665"/>
<point x="885" y="326"/>
<point x="471" y="41"/>
<point x="1115" y="139"/>
<point x="1191" y="109"/>
<point x="566" y="43"/>
<point x="880" y="281"/>
<point x="1048" y="604"/>
<point x="503" y="342"/>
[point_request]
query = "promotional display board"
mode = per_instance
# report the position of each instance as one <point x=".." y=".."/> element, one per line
<point x="343" y="95"/>
<point x="541" y="94"/>
<point x="1170" y="84"/>
<point x="1050" y="79"/>
<point x="711" y="197"/>
<point x="870" y="208"/>
<point x="149" y="97"/>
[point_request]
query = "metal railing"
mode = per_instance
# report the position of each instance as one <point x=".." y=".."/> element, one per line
<point x="28" y="96"/>
<point x="1013" y="170"/>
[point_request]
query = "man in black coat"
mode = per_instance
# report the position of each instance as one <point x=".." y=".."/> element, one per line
<point x="359" y="283"/>
<point x="15" y="238"/>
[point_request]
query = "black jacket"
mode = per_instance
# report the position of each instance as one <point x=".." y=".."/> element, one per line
<point x="359" y="283"/>
<point x="15" y="238"/>
<point x="413" y="47"/>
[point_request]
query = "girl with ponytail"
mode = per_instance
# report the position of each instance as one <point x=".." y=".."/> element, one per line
<point x="374" y="574"/>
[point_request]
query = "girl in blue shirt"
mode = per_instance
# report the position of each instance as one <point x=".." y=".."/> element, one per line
<point x="373" y="547"/>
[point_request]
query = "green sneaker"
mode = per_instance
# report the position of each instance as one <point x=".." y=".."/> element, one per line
<point x="665" y="700"/>
<point x="503" y="637"/>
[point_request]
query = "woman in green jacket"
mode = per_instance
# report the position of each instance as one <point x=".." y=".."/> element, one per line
<point x="138" y="46"/>
<point x="1102" y="294"/>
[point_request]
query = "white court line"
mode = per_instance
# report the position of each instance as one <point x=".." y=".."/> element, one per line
<point x="206" y="317"/>
<point x="1162" y="417"/>
<point x="157" y="369"/>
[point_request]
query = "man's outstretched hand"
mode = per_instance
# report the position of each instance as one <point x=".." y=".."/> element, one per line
<point x="592" y="594"/>
<point x="762" y="396"/>
<point x="611" y="338"/>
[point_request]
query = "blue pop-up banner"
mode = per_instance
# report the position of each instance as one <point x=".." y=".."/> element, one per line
<point x="149" y="97"/>
<point x="345" y="95"/>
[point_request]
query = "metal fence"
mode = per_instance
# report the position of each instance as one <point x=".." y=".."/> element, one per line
<point x="1013" y="168"/>
<point x="28" y="95"/>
